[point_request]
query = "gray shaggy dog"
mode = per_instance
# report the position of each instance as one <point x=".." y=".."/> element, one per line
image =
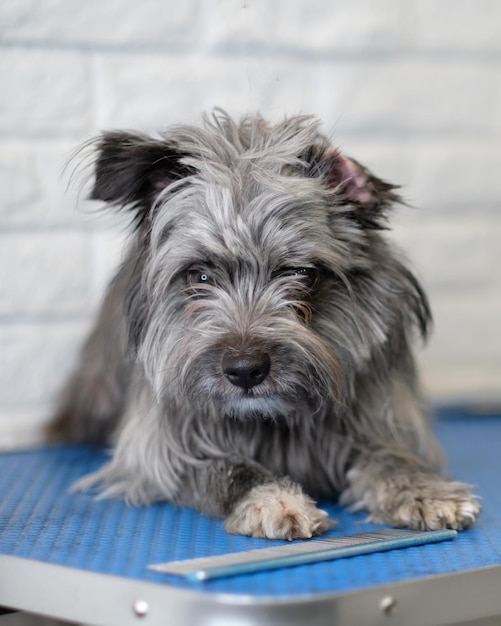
<point x="254" y="350"/>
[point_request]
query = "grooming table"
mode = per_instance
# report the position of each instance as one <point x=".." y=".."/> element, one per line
<point x="72" y="557"/>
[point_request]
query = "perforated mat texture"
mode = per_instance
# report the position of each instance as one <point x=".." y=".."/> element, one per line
<point x="40" y="519"/>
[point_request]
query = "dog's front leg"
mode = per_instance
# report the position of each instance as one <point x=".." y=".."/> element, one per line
<point x="253" y="501"/>
<point x="277" y="509"/>
<point x="397" y="489"/>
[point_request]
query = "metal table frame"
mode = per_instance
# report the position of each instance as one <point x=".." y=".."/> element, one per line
<point x="103" y="600"/>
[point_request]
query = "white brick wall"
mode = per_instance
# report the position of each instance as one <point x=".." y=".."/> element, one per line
<point x="412" y="89"/>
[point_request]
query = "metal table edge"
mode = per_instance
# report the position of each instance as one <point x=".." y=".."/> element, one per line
<point x="105" y="600"/>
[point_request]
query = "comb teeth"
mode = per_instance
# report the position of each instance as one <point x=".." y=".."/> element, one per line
<point x="298" y="553"/>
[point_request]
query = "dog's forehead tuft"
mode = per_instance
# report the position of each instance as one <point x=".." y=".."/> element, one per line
<point x="220" y="141"/>
<point x="252" y="196"/>
<point x="265" y="228"/>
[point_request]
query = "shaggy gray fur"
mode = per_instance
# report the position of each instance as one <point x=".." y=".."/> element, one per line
<point x="257" y="340"/>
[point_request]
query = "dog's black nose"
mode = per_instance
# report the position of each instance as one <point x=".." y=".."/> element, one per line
<point x="246" y="371"/>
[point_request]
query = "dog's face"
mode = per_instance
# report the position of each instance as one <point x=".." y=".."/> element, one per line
<point x="262" y="281"/>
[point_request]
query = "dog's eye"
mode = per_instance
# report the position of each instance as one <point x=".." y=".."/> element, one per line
<point x="196" y="277"/>
<point x="307" y="275"/>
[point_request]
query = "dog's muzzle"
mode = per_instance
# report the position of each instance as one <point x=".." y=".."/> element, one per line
<point x="246" y="371"/>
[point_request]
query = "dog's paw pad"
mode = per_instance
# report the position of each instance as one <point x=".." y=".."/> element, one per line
<point x="277" y="511"/>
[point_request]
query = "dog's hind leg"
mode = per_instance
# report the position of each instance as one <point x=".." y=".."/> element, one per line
<point x="92" y="400"/>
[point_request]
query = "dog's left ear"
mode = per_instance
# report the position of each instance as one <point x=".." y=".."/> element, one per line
<point x="367" y="195"/>
<point x="131" y="169"/>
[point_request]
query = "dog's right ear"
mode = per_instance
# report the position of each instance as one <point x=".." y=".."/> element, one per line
<point x="131" y="169"/>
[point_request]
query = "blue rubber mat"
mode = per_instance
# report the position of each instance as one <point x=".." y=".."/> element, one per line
<point x="41" y="520"/>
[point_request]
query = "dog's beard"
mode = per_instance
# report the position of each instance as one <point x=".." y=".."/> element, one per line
<point x="254" y="404"/>
<point x="260" y="408"/>
<point x="303" y="375"/>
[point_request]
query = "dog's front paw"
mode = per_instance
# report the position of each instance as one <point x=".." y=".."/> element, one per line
<point x="421" y="501"/>
<point x="277" y="511"/>
<point x="457" y="509"/>
<point x="457" y="512"/>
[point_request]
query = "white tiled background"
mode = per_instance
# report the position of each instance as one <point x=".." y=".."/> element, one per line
<point x="411" y="88"/>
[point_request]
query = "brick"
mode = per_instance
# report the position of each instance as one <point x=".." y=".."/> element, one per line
<point x="466" y="326"/>
<point x="373" y="98"/>
<point x="44" y="93"/>
<point x="463" y="357"/>
<point x="497" y="119"/>
<point x="294" y="25"/>
<point x="34" y="362"/>
<point x="45" y="184"/>
<point x="469" y="26"/>
<point x="35" y="190"/>
<point x="46" y="273"/>
<point x="457" y="175"/>
<point x="125" y="80"/>
<point x="108" y="250"/>
<point x="20" y="189"/>
<point x="288" y="87"/>
<point x="450" y="253"/>
<point x="467" y="380"/>
<point x="274" y="87"/>
<point x="407" y="96"/>
<point x="99" y="23"/>
<point x="21" y="429"/>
